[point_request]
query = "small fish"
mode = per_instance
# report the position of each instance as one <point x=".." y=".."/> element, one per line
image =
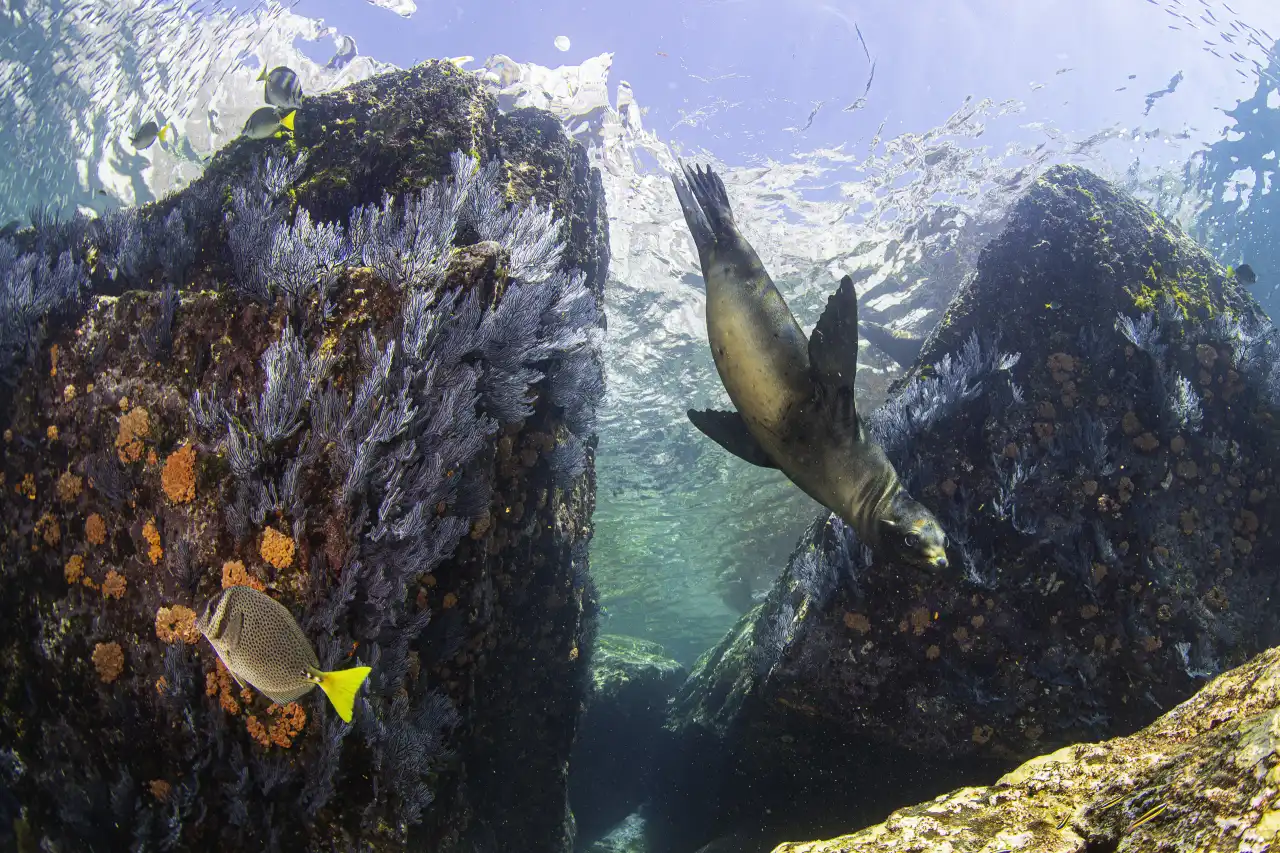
<point x="148" y="132"/>
<point x="346" y="51"/>
<point x="1149" y="815"/>
<point x="282" y="88"/>
<point x="260" y="643"/>
<point x="266" y="122"/>
<point x="1053" y="306"/>
<point x="1246" y="275"/>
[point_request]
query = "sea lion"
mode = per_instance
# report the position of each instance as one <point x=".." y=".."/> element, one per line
<point x="794" y="397"/>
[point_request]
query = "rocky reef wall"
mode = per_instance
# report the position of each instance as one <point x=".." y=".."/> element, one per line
<point x="358" y="369"/>
<point x="1202" y="777"/>
<point x="1093" y="422"/>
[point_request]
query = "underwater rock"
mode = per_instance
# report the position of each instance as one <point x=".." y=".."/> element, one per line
<point x="1201" y="777"/>
<point x="358" y="370"/>
<point x="626" y="837"/>
<point x="1092" y="422"/>
<point x="618" y="736"/>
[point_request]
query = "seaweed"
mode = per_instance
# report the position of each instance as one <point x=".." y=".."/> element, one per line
<point x="157" y="336"/>
<point x="934" y="396"/>
<point x="32" y="286"/>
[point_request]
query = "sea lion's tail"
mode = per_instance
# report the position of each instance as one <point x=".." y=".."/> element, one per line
<point x="705" y="204"/>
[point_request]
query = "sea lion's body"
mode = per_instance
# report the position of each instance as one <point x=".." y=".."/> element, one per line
<point x="793" y="396"/>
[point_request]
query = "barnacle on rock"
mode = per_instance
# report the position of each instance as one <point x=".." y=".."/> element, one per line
<point x="277" y="548"/>
<point x="48" y="529"/>
<point x="178" y="478"/>
<point x="234" y="573"/>
<point x="134" y="427"/>
<point x="95" y="529"/>
<point x="27" y="488"/>
<point x="69" y="487"/>
<point x="218" y="683"/>
<point x="288" y="721"/>
<point x="1146" y="442"/>
<point x="113" y="586"/>
<point x="108" y="660"/>
<point x="177" y="624"/>
<point x="857" y="622"/>
<point x="1062" y="366"/>
<point x="152" y="535"/>
<point x="74" y="569"/>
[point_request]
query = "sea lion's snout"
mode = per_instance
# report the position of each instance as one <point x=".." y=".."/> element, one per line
<point x="915" y="534"/>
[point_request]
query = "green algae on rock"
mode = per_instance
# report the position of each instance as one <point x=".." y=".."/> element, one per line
<point x="421" y="502"/>
<point x="1201" y="777"/>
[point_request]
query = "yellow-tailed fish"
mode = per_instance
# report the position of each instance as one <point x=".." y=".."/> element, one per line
<point x="147" y="133"/>
<point x="260" y="643"/>
<point x="282" y="87"/>
<point x="267" y="122"/>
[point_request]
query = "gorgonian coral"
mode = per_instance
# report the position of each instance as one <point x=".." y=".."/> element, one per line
<point x="401" y="434"/>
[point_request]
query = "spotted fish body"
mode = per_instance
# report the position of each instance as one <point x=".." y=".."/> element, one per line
<point x="261" y="644"/>
<point x="794" y="397"/>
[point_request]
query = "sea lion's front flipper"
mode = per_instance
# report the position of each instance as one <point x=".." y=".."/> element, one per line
<point x="899" y="346"/>
<point x="729" y="430"/>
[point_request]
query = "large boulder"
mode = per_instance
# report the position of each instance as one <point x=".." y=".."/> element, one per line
<point x="1202" y="777"/>
<point x="618" y="739"/>
<point x="357" y="369"/>
<point x="1092" y="422"/>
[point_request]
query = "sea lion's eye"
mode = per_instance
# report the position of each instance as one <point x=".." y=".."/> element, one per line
<point x="911" y="541"/>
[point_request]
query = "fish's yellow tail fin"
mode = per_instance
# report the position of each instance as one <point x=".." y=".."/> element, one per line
<point x="341" y="686"/>
<point x="287" y="121"/>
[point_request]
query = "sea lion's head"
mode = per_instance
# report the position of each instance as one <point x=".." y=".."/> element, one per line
<point x="912" y="534"/>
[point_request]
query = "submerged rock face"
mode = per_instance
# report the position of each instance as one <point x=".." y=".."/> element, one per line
<point x="358" y="370"/>
<point x="1202" y="777"/>
<point x="618" y="738"/>
<point x="1092" y="422"/>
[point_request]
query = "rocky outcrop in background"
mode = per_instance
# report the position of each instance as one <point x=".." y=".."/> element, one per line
<point x="1093" y="422"/>
<point x="1202" y="777"/>
<point x="358" y="369"/>
<point x="618" y="739"/>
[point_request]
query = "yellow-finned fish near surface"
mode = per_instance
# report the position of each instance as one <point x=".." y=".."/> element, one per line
<point x="265" y="122"/>
<point x="260" y="643"/>
<point x="281" y="87"/>
<point x="146" y="134"/>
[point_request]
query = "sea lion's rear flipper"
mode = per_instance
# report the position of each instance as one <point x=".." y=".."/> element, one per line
<point x="833" y="354"/>
<point x="899" y="346"/>
<point x="705" y="204"/>
<point x="729" y="430"/>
